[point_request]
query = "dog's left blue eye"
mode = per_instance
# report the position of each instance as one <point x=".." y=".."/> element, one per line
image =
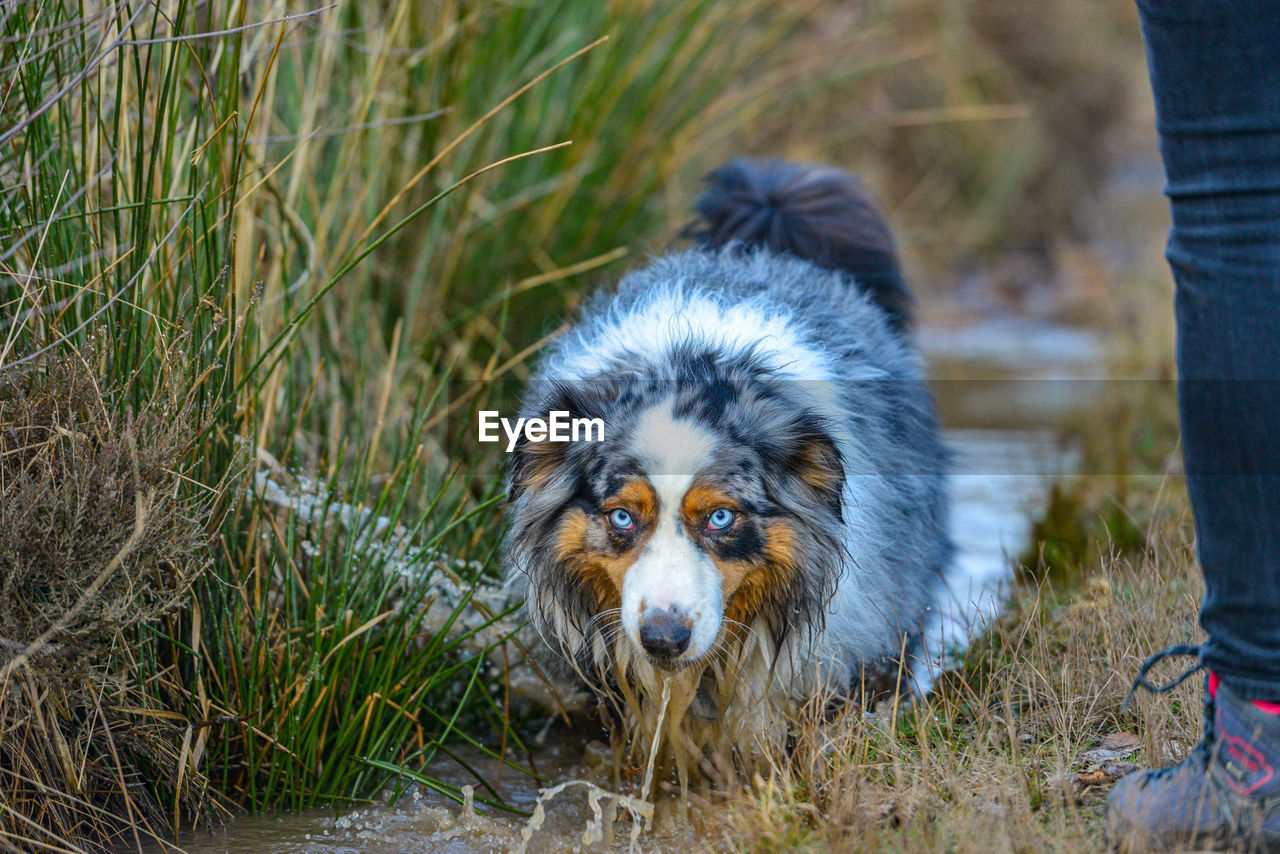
<point x="620" y="519"/>
<point x="720" y="519"/>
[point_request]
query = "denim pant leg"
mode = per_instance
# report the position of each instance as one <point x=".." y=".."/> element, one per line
<point x="1215" y="71"/>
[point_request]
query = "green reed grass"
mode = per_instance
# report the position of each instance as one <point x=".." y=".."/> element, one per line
<point x="314" y="217"/>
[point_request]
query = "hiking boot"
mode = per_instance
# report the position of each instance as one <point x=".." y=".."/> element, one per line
<point x="1224" y="795"/>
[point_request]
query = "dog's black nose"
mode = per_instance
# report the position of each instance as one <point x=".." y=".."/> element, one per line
<point x="665" y="634"/>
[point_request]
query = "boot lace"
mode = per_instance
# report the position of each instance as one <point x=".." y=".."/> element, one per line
<point x="1201" y="752"/>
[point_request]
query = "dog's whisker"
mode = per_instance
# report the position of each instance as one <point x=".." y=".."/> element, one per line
<point x="728" y="657"/>
<point x="612" y="613"/>
<point x="750" y="630"/>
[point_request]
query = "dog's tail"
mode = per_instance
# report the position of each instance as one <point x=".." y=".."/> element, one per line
<point x="817" y="213"/>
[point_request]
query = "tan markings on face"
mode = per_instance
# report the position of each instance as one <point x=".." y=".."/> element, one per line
<point x="748" y="585"/>
<point x="582" y="543"/>
<point x="637" y="498"/>
<point x="700" y="501"/>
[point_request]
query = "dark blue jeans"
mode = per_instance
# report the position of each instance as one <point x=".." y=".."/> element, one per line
<point x="1215" y="70"/>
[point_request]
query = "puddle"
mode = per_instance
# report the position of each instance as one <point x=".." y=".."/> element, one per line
<point x="1003" y="388"/>
<point x="421" y="821"/>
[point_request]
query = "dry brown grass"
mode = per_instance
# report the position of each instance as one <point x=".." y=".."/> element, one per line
<point x="96" y="542"/>
<point x="992" y="761"/>
<point x="988" y="127"/>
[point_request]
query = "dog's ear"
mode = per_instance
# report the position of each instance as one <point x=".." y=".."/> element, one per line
<point x="534" y="464"/>
<point x="814" y="465"/>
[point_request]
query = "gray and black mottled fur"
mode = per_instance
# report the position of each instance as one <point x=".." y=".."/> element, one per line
<point x="783" y="336"/>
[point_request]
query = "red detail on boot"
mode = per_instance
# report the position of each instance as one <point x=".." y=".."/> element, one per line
<point x="1262" y="705"/>
<point x="1251" y="761"/>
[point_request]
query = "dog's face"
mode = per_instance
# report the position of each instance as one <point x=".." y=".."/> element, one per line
<point x="711" y="501"/>
<point x="682" y="528"/>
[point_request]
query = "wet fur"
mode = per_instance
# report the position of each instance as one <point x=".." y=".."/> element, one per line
<point x="784" y="337"/>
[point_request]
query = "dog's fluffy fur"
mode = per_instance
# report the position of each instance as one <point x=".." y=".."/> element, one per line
<point x="768" y="373"/>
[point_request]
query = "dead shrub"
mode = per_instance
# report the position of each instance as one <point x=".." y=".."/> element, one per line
<point x="99" y="539"/>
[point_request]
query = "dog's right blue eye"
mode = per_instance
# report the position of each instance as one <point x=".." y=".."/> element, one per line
<point x="621" y="519"/>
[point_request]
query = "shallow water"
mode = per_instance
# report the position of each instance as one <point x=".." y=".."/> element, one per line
<point x="1004" y="389"/>
<point x="1002" y="397"/>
